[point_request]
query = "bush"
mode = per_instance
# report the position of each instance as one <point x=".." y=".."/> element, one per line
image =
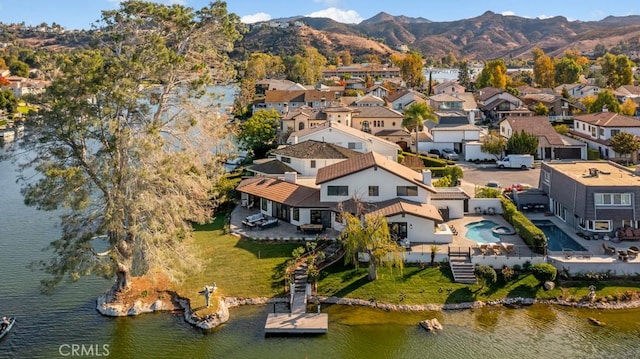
<point x="507" y="273"/>
<point x="532" y="235"/>
<point x="486" y="275"/>
<point x="593" y="154"/>
<point x="544" y="272"/>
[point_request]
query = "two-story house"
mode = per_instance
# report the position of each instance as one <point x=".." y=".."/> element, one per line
<point x="596" y="130"/>
<point x="388" y="188"/>
<point x="285" y="101"/>
<point x="446" y="102"/>
<point x="497" y="104"/>
<point x="595" y="196"/>
<point x="551" y="145"/>
<point x="345" y="136"/>
<point x="403" y="98"/>
<point x="451" y="87"/>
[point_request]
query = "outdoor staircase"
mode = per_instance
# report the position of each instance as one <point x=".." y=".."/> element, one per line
<point x="462" y="268"/>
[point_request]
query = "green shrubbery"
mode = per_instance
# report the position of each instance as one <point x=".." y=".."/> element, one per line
<point x="486" y="275"/>
<point x="544" y="272"/>
<point x="532" y="235"/>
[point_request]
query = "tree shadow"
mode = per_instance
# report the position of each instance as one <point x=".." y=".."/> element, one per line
<point x="278" y="275"/>
<point x="262" y="249"/>
<point x="446" y="272"/>
<point x="353" y="286"/>
<point x="460" y="295"/>
<point x="523" y="290"/>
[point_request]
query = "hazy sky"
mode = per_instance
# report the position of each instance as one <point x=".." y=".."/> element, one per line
<point x="75" y="14"/>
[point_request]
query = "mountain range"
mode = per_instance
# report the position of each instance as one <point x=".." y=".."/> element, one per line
<point x="484" y="37"/>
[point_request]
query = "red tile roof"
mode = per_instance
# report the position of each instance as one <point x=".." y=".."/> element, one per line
<point x="280" y="191"/>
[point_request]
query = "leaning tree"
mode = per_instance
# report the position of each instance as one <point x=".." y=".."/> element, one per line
<point x="124" y="143"/>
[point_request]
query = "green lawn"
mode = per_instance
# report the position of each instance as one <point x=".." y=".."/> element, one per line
<point x="240" y="268"/>
<point x="432" y="285"/>
<point x="246" y="268"/>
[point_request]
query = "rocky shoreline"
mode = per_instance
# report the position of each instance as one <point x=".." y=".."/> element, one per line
<point x="107" y="307"/>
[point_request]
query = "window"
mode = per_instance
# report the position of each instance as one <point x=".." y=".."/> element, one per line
<point x="355" y="145"/>
<point x="337" y="190"/>
<point x="285" y="159"/>
<point x="398" y="230"/>
<point x="583" y="128"/>
<point x="546" y="177"/>
<point x="629" y="223"/>
<point x="602" y="132"/>
<point x="301" y="126"/>
<point x="614" y="132"/>
<point x="407" y="190"/>
<point x="296" y="214"/>
<point x="313" y="163"/>
<point x="599" y="226"/>
<point x="593" y="131"/>
<point x="374" y="191"/>
<point x="613" y="199"/>
<point x="263" y="204"/>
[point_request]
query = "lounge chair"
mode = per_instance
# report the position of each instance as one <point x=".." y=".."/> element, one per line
<point x="483" y="248"/>
<point x="496" y="250"/>
<point x="623" y="256"/>
<point x="608" y="249"/>
<point x="632" y="253"/>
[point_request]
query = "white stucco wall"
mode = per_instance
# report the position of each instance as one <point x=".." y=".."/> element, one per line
<point x="359" y="183"/>
<point x="367" y="144"/>
<point x="485" y="204"/>
<point x="472" y="151"/>
<point x="303" y="166"/>
<point x="456" y="207"/>
<point x="497" y="262"/>
<point x="455" y="136"/>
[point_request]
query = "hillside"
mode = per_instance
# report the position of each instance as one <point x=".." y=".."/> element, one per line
<point x="487" y="36"/>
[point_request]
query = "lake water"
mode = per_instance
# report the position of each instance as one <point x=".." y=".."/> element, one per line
<point x="48" y="326"/>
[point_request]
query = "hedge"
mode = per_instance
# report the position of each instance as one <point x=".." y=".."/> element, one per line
<point x="428" y="161"/>
<point x="532" y="235"/>
<point x="544" y="272"/>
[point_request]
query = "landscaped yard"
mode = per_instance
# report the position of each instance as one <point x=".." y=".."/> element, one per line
<point x="431" y="285"/>
<point x="240" y="268"/>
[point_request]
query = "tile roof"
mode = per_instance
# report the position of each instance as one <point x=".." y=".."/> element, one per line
<point x="272" y="167"/>
<point x="278" y="96"/>
<point x="311" y="113"/>
<point x="311" y="149"/>
<point x="390" y="207"/>
<point x="443" y="97"/>
<point x="444" y="193"/>
<point x="365" y="161"/>
<point x="369" y="98"/>
<point x="536" y="125"/>
<point x="608" y="119"/>
<point x="340" y="127"/>
<point x="378" y="112"/>
<point x="486" y="93"/>
<point x="540" y="97"/>
<point x="280" y="191"/>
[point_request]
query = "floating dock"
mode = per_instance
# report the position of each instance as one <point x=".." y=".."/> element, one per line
<point x="297" y="323"/>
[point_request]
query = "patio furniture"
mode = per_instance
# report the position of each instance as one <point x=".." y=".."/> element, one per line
<point x="608" y="249"/>
<point x="312" y="228"/>
<point x="484" y="248"/>
<point x="623" y="256"/>
<point x="268" y="223"/>
<point x="496" y="250"/>
<point x="509" y="248"/>
<point x="252" y="220"/>
<point x="634" y="248"/>
<point x="632" y="253"/>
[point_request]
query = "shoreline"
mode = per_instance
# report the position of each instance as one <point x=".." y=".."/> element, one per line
<point x="212" y="321"/>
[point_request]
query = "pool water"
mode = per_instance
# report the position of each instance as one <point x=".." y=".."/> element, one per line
<point x="481" y="231"/>
<point x="557" y="239"/>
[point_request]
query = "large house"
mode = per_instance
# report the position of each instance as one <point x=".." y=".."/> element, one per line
<point x="597" y="129"/>
<point x="595" y="196"/>
<point x="412" y="206"/>
<point x="497" y="104"/>
<point x="551" y="145"/>
<point x="342" y="135"/>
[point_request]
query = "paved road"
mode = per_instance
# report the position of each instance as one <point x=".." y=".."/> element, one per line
<point x="481" y="174"/>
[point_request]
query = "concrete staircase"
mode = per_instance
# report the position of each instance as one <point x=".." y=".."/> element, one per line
<point x="462" y="268"/>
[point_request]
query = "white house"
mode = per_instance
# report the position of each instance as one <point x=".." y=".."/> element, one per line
<point x="345" y="136"/>
<point x="596" y="130"/>
<point x="400" y="99"/>
<point x="389" y="188"/>
<point x="309" y="156"/>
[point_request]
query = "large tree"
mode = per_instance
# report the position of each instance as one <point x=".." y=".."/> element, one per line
<point x="543" y="69"/>
<point x="567" y="71"/>
<point x="607" y="100"/>
<point x="259" y="133"/>
<point x="411" y="70"/>
<point x="617" y="69"/>
<point x="493" y="144"/>
<point x="369" y="234"/>
<point x="464" y="76"/>
<point x="415" y="115"/>
<point x="522" y="143"/>
<point x="493" y="74"/>
<point x="124" y="143"/>
<point x="624" y="143"/>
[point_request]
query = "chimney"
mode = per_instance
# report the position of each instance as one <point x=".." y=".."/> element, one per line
<point x="604" y="108"/>
<point x="426" y="177"/>
<point x="295" y="139"/>
<point x="291" y="177"/>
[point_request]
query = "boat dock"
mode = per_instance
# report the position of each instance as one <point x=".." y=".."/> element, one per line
<point x="298" y="321"/>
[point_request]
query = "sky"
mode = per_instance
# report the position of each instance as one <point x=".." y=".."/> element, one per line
<point x="80" y="14"/>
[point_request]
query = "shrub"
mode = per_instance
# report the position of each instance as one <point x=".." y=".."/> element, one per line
<point x="507" y="273"/>
<point x="532" y="235"/>
<point x="486" y="275"/>
<point x="544" y="272"/>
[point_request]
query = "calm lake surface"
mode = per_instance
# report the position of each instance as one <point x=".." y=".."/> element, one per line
<point x="47" y="326"/>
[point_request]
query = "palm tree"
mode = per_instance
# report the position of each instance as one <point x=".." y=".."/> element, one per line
<point x="415" y="115"/>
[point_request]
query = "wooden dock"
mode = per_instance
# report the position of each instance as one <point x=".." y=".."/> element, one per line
<point x="297" y="323"/>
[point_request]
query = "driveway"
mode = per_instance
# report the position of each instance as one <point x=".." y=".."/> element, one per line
<point x="483" y="173"/>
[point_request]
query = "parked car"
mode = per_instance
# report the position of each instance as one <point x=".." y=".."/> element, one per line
<point x="449" y="154"/>
<point x="493" y="184"/>
<point x="435" y="152"/>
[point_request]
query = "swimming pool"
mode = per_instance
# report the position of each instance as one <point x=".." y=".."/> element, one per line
<point x="481" y="231"/>
<point x="557" y="239"/>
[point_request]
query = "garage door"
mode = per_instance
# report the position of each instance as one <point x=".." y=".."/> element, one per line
<point x="567" y="153"/>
